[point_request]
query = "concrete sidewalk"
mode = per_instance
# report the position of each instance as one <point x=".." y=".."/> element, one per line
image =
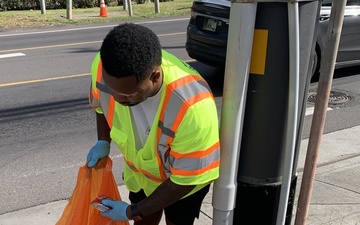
<point x="335" y="198"/>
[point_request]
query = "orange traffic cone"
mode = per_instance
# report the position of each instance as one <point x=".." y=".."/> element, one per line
<point x="103" y="12"/>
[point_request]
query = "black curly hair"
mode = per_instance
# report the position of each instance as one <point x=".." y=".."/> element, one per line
<point x="130" y="50"/>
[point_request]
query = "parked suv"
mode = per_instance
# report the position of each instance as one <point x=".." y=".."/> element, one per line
<point x="207" y="33"/>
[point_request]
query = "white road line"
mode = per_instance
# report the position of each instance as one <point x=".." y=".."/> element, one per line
<point x="88" y="28"/>
<point x="310" y="110"/>
<point x="11" y="55"/>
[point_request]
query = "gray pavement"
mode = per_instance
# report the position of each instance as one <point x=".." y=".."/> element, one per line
<point x="335" y="197"/>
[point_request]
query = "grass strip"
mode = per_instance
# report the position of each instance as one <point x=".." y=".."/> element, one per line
<point x="34" y="18"/>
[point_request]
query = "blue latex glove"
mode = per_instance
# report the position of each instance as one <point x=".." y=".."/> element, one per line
<point x="118" y="211"/>
<point x="98" y="151"/>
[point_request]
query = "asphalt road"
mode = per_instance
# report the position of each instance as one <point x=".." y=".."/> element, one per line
<point x="47" y="127"/>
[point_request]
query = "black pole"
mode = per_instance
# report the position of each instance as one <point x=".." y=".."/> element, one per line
<point x="263" y="142"/>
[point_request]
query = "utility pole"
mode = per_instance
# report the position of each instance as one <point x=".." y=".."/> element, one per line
<point x="264" y="102"/>
<point x="43" y="6"/>
<point x="69" y="9"/>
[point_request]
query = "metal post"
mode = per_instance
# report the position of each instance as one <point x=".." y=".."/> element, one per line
<point x="130" y="7"/>
<point x="125" y="5"/>
<point x="292" y="113"/>
<point x="43" y="6"/>
<point x="322" y="98"/>
<point x="157" y="6"/>
<point x="69" y="9"/>
<point x="242" y="23"/>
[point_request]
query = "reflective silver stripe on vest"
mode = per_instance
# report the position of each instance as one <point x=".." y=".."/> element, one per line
<point x="103" y="87"/>
<point x="104" y="96"/>
<point x="177" y="99"/>
<point x="166" y="130"/>
<point x="133" y="168"/>
<point x="93" y="101"/>
<point x="192" y="163"/>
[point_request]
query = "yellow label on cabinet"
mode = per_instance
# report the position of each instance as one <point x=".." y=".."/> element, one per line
<point x="258" y="55"/>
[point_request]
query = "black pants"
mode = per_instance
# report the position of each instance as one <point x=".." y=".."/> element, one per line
<point x="182" y="212"/>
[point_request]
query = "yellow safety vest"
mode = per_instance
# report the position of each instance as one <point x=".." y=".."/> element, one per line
<point x="182" y="145"/>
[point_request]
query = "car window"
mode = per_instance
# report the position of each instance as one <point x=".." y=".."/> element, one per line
<point x="353" y="2"/>
<point x="326" y="2"/>
<point x="349" y="2"/>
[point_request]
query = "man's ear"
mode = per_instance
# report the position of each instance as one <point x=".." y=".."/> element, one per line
<point x="156" y="75"/>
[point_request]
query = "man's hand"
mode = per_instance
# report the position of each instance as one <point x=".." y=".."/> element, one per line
<point x="98" y="151"/>
<point x="118" y="211"/>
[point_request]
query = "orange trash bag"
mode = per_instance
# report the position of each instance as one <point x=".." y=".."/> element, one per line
<point x="91" y="183"/>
